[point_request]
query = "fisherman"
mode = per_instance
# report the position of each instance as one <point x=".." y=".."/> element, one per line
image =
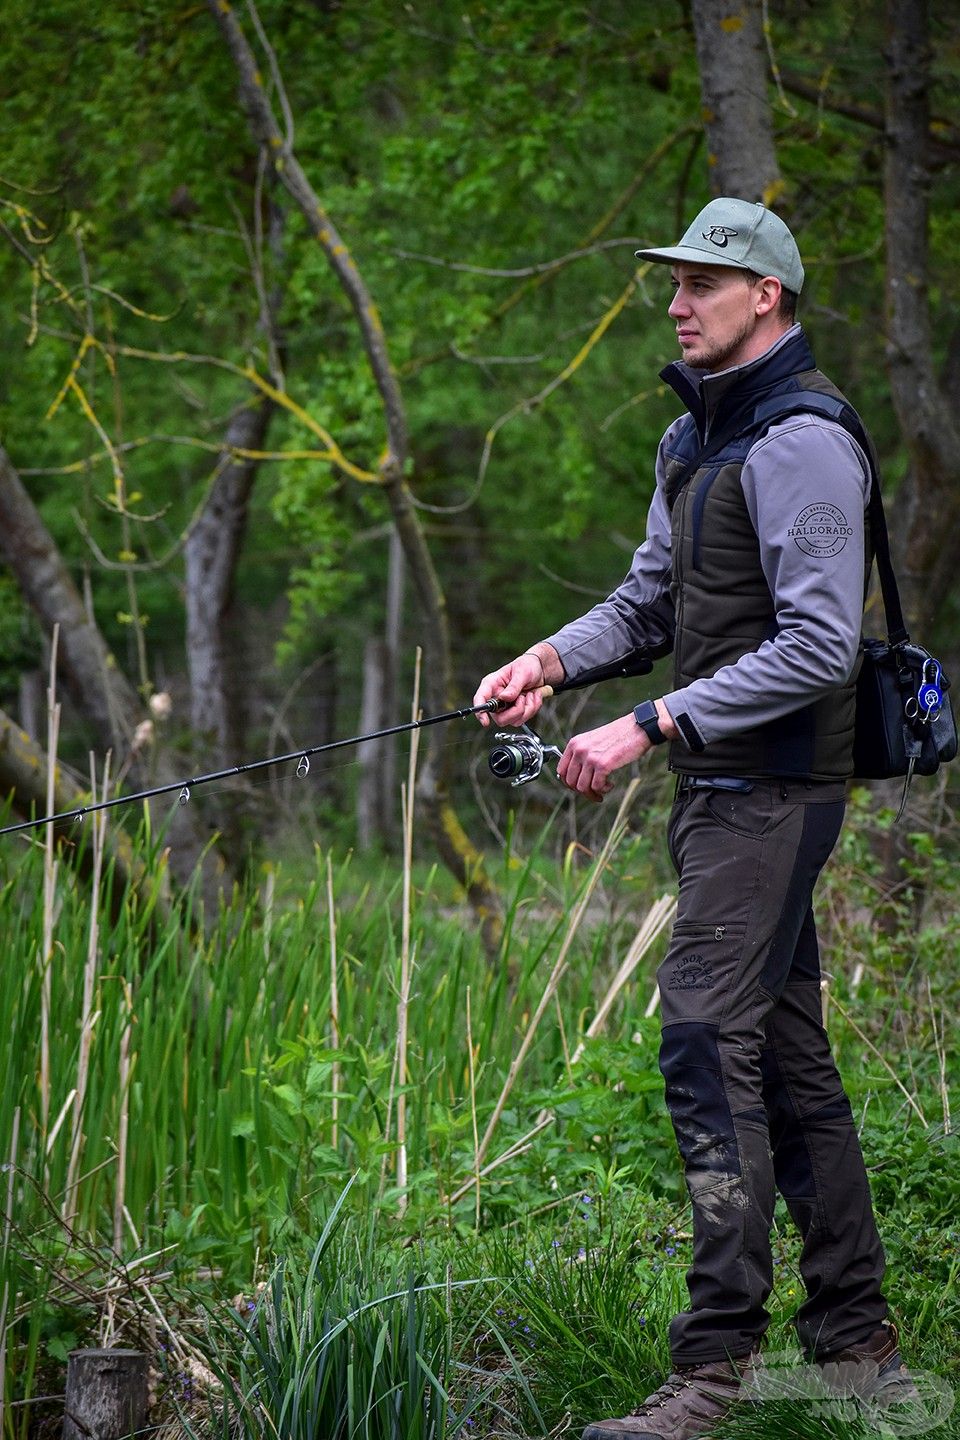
<point x="753" y="572"/>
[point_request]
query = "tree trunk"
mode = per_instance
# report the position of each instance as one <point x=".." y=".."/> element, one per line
<point x="23" y="773"/>
<point x="455" y="849"/>
<point x="91" y="671"/>
<point x="927" y="539"/>
<point x="210" y="558"/>
<point x="732" y="57"/>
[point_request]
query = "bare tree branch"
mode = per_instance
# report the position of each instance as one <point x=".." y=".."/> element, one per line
<point x="542" y="267"/>
<point x="943" y="139"/>
<point x="267" y="133"/>
<point x="612" y="213"/>
<point x="532" y="402"/>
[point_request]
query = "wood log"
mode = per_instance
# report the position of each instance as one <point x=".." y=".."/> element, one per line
<point x="106" y="1395"/>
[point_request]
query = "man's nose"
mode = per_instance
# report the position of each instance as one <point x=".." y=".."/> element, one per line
<point x="678" y="306"/>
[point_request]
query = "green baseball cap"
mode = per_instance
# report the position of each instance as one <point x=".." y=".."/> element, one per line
<point x="741" y="234"/>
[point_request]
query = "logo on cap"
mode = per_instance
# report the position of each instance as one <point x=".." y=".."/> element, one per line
<point x="718" y="235"/>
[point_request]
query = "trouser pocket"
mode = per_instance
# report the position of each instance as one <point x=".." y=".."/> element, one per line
<point x="698" y="969"/>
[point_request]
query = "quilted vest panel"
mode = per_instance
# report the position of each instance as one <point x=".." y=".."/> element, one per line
<point x="724" y="610"/>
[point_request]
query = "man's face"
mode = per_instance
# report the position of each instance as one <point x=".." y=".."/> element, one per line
<point x="714" y="307"/>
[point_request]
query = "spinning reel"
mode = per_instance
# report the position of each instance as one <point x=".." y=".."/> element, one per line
<point x="518" y="755"/>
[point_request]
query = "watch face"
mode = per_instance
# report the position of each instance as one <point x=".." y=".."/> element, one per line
<point x="646" y="717"/>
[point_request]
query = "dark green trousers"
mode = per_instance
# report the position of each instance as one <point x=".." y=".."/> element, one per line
<point x="751" y="1085"/>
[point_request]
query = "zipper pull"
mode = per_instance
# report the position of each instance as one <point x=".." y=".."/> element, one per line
<point x="719" y="933"/>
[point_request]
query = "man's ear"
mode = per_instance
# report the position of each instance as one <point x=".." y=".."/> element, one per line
<point x="769" y="289"/>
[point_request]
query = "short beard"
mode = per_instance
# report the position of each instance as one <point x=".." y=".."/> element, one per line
<point x="720" y="359"/>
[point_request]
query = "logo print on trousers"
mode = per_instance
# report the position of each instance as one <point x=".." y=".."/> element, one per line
<point x="692" y="973"/>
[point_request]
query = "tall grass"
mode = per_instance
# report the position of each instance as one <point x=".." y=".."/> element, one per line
<point x="252" y="1068"/>
<point x="344" y="1345"/>
<point x="208" y="1093"/>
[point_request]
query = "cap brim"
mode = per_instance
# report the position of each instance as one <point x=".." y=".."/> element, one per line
<point x="691" y="254"/>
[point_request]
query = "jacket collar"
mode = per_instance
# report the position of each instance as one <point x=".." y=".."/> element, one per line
<point x="713" y="395"/>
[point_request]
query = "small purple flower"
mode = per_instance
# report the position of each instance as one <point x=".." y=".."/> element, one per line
<point x="555" y="1244"/>
<point x="581" y="1253"/>
<point x="586" y="1200"/>
<point x="671" y="1250"/>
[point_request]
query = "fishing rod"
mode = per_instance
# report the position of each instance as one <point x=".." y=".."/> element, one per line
<point x="527" y="769"/>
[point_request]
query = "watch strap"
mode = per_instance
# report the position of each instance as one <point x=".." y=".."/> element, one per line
<point x="646" y="717"/>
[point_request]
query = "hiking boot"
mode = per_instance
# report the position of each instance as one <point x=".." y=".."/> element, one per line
<point x="689" y="1403"/>
<point x="871" y="1370"/>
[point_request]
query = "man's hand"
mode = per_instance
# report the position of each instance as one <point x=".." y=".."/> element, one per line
<point x="517" y="686"/>
<point x="590" y="759"/>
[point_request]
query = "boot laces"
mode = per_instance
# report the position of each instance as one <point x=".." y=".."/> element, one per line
<point x="673" y="1385"/>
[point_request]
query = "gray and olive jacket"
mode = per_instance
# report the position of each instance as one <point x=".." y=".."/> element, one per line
<point x="754" y="573"/>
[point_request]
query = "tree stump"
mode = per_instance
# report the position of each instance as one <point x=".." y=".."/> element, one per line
<point x="106" y="1395"/>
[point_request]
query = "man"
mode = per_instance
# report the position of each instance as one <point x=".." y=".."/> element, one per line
<point x="754" y="572"/>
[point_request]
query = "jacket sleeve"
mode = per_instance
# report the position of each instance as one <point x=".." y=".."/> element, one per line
<point x="639" y="613"/>
<point x="806" y="485"/>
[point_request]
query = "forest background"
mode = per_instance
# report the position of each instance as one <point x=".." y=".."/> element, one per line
<point x="324" y="342"/>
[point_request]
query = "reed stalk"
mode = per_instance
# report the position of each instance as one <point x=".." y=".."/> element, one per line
<point x="612" y="841"/>
<point x="910" y="1099"/>
<point x="515" y="1149"/>
<point x="473" y="1108"/>
<point x="88" y="1019"/>
<point x="45" y="959"/>
<point x="406" y="956"/>
<point x="123" y="1127"/>
<point x="940" y="1045"/>
<point x="334" y="1009"/>
<point x="7" y="1224"/>
<point x="659" y="915"/>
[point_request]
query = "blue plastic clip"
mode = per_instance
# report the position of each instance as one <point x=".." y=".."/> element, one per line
<point x="930" y="694"/>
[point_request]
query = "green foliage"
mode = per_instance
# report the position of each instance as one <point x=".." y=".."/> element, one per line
<point x="492" y="139"/>
<point x="347" y="1344"/>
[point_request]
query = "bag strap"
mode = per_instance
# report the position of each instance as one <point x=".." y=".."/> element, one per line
<point x="742" y="423"/>
<point x="806" y="402"/>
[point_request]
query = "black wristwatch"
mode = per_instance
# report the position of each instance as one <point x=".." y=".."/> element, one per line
<point x="645" y="715"/>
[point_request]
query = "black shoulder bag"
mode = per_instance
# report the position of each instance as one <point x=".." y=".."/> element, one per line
<point x="905" y="723"/>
